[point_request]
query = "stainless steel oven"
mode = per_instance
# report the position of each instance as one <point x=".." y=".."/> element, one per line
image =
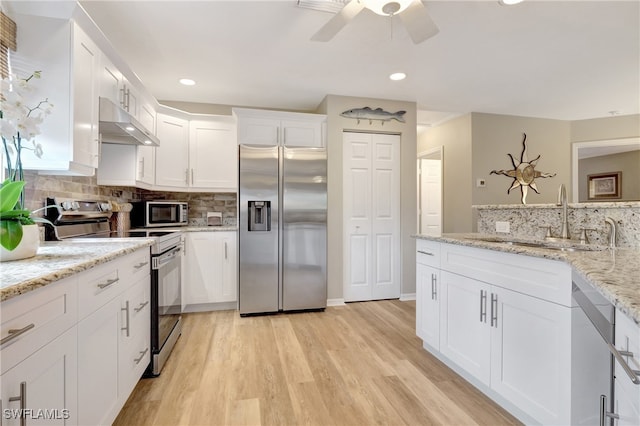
<point x="166" y="304"/>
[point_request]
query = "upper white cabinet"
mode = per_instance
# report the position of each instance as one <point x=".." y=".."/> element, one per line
<point x="69" y="61"/>
<point x="198" y="154"/>
<point x="263" y="127"/>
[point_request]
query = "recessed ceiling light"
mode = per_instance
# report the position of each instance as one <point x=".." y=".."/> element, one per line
<point x="187" y="82"/>
<point x="510" y="2"/>
<point x="396" y="76"/>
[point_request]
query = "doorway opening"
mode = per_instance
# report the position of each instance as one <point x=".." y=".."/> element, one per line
<point x="430" y="197"/>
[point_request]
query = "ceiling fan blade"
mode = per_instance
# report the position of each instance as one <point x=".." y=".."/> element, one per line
<point x="342" y="18"/>
<point x="418" y="23"/>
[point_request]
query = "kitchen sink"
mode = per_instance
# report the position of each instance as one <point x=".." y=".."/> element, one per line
<point x="541" y="244"/>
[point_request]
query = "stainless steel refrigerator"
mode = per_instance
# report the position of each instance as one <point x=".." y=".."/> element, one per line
<point x="283" y="229"/>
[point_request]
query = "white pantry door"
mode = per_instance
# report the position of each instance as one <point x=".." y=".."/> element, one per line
<point x="371" y="198"/>
<point x="430" y="187"/>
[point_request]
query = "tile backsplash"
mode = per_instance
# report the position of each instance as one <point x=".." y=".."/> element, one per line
<point x="530" y="221"/>
<point x="39" y="187"/>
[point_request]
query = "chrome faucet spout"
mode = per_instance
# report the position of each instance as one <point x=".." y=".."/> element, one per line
<point x="612" y="231"/>
<point x="562" y="201"/>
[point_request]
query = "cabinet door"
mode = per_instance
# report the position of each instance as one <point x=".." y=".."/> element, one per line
<point x="301" y="133"/>
<point x="85" y="99"/>
<point x="428" y="304"/>
<point x="531" y="354"/>
<point x="50" y="376"/>
<point x="213" y="155"/>
<point x="147" y="117"/>
<point x="258" y="131"/>
<point x="464" y="324"/>
<point x="203" y="267"/>
<point x="229" y="283"/>
<point x="172" y="155"/>
<point x="129" y="98"/>
<point x="627" y="394"/>
<point x="98" y="336"/>
<point x="145" y="172"/>
<point x="110" y="80"/>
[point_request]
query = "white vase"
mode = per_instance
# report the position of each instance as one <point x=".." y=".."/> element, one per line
<point x="28" y="246"/>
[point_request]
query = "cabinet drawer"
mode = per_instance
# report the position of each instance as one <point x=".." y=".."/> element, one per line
<point x="428" y="252"/>
<point x="135" y="265"/>
<point x="43" y="314"/>
<point x="98" y="286"/>
<point x="542" y="278"/>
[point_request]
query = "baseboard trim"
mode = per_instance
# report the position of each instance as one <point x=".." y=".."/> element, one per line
<point x="335" y="302"/>
<point x="407" y="296"/>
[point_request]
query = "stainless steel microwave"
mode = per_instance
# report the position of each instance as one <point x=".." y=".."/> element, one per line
<point x="148" y="214"/>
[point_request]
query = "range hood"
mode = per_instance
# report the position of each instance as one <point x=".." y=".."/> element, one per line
<point x="118" y="126"/>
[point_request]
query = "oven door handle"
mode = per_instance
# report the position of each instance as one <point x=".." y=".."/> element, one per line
<point x="157" y="262"/>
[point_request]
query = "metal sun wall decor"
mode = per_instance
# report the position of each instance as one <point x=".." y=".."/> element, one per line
<point x="379" y="114"/>
<point x="523" y="174"/>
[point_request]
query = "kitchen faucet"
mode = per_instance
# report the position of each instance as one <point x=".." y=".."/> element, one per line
<point x="612" y="231"/>
<point x="562" y="201"/>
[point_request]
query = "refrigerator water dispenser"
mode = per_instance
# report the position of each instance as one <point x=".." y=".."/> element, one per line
<point x="259" y="215"/>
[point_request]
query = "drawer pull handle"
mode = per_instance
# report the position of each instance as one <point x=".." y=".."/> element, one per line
<point x="23" y="403"/>
<point x="13" y="333"/>
<point x="483" y="306"/>
<point x="142" y="354"/>
<point x="494" y="310"/>
<point x="140" y="265"/>
<point x="108" y="283"/>
<point x="141" y="306"/>
<point x="426" y="252"/>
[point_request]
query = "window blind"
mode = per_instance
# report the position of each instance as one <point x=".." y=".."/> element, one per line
<point x="7" y="41"/>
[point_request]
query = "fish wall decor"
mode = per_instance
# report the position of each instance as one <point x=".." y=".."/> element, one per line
<point x="379" y="114"/>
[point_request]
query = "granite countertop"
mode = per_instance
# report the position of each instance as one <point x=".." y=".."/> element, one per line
<point x="60" y="259"/>
<point x="615" y="273"/>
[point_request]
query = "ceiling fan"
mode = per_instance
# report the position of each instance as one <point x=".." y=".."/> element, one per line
<point x="412" y="13"/>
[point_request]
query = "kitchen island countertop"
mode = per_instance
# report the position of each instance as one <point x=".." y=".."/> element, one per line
<point x="60" y="259"/>
<point x="615" y="273"/>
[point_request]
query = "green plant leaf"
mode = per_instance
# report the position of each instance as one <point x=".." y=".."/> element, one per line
<point x="10" y="194"/>
<point x="14" y="214"/>
<point x="10" y="234"/>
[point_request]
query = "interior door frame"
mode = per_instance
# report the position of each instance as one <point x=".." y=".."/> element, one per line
<point x="435" y="153"/>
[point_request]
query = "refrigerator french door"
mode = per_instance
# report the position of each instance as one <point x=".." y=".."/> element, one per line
<point x="282" y="229"/>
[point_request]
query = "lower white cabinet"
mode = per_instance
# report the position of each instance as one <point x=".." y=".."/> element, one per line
<point x="46" y="383"/>
<point x="210" y="270"/>
<point x="114" y="339"/>
<point x="505" y="321"/>
<point x="626" y="393"/>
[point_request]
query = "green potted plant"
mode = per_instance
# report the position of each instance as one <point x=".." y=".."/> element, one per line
<point x="19" y="124"/>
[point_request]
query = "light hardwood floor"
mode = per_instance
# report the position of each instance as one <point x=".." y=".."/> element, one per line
<point x="359" y="364"/>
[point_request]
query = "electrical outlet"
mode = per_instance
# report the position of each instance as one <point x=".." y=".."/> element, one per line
<point x="481" y="183"/>
<point x="503" y="227"/>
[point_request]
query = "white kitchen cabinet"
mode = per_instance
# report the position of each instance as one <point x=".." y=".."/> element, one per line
<point x="213" y="154"/>
<point x="126" y="165"/>
<point x="263" y="127"/>
<point x="110" y="80"/>
<point x="113" y="334"/>
<point x="172" y="157"/>
<point x="428" y="292"/>
<point x="210" y="270"/>
<point x="626" y="393"/>
<point x="47" y="382"/>
<point x="69" y="61"/>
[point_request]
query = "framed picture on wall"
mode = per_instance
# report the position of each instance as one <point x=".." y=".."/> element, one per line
<point x="605" y="185"/>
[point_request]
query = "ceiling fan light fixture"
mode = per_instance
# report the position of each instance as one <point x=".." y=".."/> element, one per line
<point x="397" y="76"/>
<point x="386" y="7"/>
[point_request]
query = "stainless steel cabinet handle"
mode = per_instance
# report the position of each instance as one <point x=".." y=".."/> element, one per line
<point x="140" y="265"/>
<point x="425" y="252"/>
<point x="13" y="333"/>
<point x="225" y="250"/>
<point x="483" y="306"/>
<point x="634" y="375"/>
<point x="604" y="414"/>
<point x="142" y="354"/>
<point x="141" y="306"/>
<point x="494" y="310"/>
<point x="191" y="176"/>
<point x="434" y="289"/>
<point x="108" y="283"/>
<point x="23" y="403"/>
<point x="126" y="309"/>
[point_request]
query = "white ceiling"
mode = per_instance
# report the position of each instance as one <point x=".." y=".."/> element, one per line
<point x="567" y="60"/>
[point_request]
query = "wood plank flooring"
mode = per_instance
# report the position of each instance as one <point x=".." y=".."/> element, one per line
<point x="359" y="364"/>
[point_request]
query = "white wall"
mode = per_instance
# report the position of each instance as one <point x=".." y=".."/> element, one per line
<point x="332" y="106"/>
